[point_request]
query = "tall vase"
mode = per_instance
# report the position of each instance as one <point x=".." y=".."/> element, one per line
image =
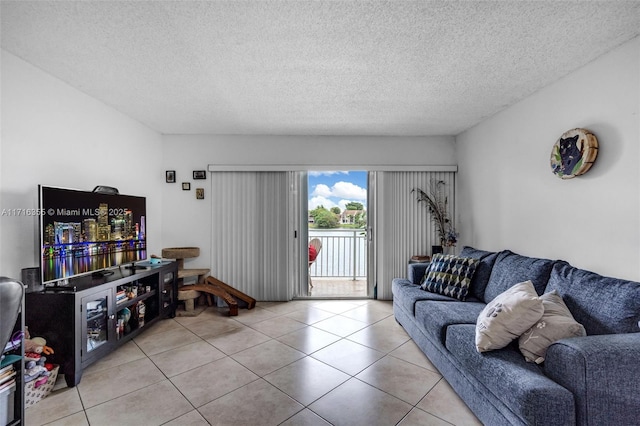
<point x="436" y="250"/>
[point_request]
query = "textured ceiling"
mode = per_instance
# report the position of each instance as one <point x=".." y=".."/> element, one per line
<point x="313" y="67"/>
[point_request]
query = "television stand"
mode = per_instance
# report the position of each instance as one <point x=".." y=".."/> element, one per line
<point x="93" y="316"/>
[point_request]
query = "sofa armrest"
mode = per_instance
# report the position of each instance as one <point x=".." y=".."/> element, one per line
<point x="415" y="272"/>
<point x="602" y="373"/>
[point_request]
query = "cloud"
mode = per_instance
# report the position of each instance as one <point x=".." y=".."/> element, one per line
<point x="322" y="190"/>
<point x="348" y="190"/>
<point x="339" y="195"/>
<point x="321" y="201"/>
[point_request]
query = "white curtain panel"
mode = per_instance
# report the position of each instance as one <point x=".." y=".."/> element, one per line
<point x="251" y="233"/>
<point x="403" y="228"/>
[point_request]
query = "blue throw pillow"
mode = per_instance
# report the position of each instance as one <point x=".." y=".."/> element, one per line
<point x="449" y="275"/>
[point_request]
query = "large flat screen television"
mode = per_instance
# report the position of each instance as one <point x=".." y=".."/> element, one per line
<point x="84" y="232"/>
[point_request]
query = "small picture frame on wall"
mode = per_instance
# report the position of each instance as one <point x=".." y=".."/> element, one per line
<point x="200" y="193"/>
<point x="170" y="176"/>
<point x="199" y="174"/>
<point x="186" y="186"/>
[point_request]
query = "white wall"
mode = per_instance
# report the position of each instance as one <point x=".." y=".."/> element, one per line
<point x="188" y="221"/>
<point x="55" y="135"/>
<point x="509" y="198"/>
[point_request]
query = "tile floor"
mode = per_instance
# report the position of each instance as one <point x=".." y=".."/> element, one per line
<point x="306" y="362"/>
<point x="338" y="287"/>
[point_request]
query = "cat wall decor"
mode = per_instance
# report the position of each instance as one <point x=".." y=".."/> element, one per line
<point x="574" y="153"/>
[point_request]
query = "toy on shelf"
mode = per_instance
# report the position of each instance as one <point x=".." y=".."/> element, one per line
<point x="36" y="345"/>
<point x="36" y="367"/>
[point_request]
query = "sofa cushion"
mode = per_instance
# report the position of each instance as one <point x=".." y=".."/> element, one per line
<point x="603" y="305"/>
<point x="406" y="294"/>
<point x="449" y="275"/>
<point x="523" y="386"/>
<point x="508" y="316"/>
<point x="435" y="316"/>
<point x="556" y="323"/>
<point x="511" y="268"/>
<point x="486" y="259"/>
<point x="416" y="271"/>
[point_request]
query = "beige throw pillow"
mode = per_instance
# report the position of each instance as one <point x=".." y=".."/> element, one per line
<point x="556" y="323"/>
<point x="507" y="316"/>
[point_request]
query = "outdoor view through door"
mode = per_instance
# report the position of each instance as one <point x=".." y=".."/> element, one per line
<point x="337" y="208"/>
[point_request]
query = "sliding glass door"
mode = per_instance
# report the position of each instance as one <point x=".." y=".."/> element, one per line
<point x="337" y="234"/>
<point x="262" y="223"/>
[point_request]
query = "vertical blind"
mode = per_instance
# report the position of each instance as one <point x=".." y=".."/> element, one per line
<point x="251" y="232"/>
<point x="256" y="217"/>
<point x="298" y="217"/>
<point x="404" y="227"/>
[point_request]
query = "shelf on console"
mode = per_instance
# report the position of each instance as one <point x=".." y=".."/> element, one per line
<point x="82" y="319"/>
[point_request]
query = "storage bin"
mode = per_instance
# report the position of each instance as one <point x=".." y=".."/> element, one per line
<point x="32" y="394"/>
<point x="6" y="404"/>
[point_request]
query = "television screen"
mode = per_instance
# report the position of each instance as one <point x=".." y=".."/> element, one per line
<point x="83" y="232"/>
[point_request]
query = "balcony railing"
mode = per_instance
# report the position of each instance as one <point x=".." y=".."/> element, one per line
<point x="343" y="253"/>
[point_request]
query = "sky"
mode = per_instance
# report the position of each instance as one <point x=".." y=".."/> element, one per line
<point x="336" y="189"/>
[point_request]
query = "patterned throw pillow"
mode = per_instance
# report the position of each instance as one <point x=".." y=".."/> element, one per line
<point x="449" y="275"/>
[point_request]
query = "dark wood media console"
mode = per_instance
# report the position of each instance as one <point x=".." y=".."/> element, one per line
<point x="91" y="316"/>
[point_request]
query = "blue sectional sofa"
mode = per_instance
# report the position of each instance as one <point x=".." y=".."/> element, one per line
<point x="591" y="380"/>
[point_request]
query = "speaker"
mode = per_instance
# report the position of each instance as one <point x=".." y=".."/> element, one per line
<point x="101" y="189"/>
<point x="31" y="278"/>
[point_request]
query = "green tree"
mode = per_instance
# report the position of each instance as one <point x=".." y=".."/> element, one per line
<point x="313" y="213"/>
<point x="335" y="210"/>
<point x="354" y="206"/>
<point x="361" y="220"/>
<point x="326" y="219"/>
